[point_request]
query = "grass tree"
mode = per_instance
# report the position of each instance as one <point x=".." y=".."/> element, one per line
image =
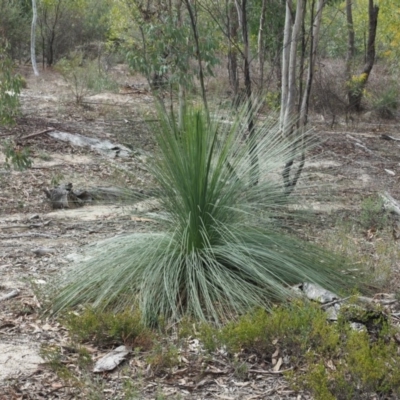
<point x="222" y="247"/>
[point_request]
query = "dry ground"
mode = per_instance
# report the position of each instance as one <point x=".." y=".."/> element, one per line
<point x="353" y="159"/>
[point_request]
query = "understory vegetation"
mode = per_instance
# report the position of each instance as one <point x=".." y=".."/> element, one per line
<point x="331" y="360"/>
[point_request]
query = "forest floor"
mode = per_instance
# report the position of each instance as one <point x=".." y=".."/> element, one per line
<point x="353" y="160"/>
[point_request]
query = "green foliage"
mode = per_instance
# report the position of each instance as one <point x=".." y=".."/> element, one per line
<point x="159" y="43"/>
<point x="373" y="214"/>
<point x="273" y="100"/>
<point x="10" y="85"/>
<point x="16" y="156"/>
<point x="331" y="360"/>
<point x="295" y="327"/>
<point x="106" y="328"/>
<point x="15" y="20"/>
<point x="88" y="18"/>
<point x="387" y="103"/>
<point x="356" y="84"/>
<point x="363" y="367"/>
<point x="163" y="357"/>
<point x="84" y="77"/>
<point x="334" y="42"/>
<point x="220" y="249"/>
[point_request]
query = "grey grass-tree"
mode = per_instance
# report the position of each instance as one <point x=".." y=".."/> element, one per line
<point x="220" y="247"/>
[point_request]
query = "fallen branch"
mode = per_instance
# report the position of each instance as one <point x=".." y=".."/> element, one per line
<point x="390" y="203"/>
<point x="31" y="135"/>
<point x="44" y="235"/>
<point x="387" y="137"/>
<point x="10" y="295"/>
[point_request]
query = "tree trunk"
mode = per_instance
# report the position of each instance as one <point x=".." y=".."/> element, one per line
<point x="291" y="39"/>
<point x="33" y="37"/>
<point x="242" y="12"/>
<point x="260" y="42"/>
<point x="351" y="48"/>
<point x="356" y="89"/>
<point x="287" y="38"/>
<point x="198" y="54"/>
<point x="232" y="52"/>
<point x="290" y="107"/>
<point x="314" y="39"/>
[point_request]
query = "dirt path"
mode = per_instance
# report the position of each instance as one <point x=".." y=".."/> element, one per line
<point x="36" y="241"/>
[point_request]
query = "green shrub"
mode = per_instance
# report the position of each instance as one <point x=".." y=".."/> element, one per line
<point x="105" y="328"/>
<point x="387" y="103"/>
<point x="10" y="86"/>
<point x="84" y="77"/>
<point x="17" y="156"/>
<point x="373" y="214"/>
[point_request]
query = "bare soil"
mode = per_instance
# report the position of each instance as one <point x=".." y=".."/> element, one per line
<point x="354" y="159"/>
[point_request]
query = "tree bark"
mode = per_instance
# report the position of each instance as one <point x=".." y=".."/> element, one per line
<point x="287" y="38"/>
<point x="355" y="93"/>
<point x="351" y="48"/>
<point x="314" y="39"/>
<point x="198" y="54"/>
<point x="260" y="42"/>
<point x="242" y="12"/>
<point x="33" y="38"/>
<point x="232" y="18"/>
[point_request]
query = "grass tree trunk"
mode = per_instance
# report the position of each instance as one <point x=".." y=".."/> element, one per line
<point x="33" y="37"/>
<point x="357" y="84"/>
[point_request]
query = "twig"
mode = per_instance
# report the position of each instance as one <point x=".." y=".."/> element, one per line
<point x="10" y="295"/>
<point x="31" y="135"/>
<point x="270" y="371"/>
<point x="29" y="235"/>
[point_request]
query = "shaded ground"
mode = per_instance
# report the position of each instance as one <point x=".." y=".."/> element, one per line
<point x="353" y="159"/>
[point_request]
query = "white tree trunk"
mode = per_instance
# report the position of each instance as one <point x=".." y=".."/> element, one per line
<point x="290" y="107"/>
<point x="287" y="37"/>
<point x="311" y="62"/>
<point x="33" y="37"/>
<point x="260" y="42"/>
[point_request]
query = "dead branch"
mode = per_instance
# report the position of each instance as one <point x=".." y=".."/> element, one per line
<point x="31" y="135"/>
<point x="10" y="295"/>
<point x="390" y="203"/>
<point x="387" y="137"/>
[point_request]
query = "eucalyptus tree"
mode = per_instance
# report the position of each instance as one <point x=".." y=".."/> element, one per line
<point x="356" y="83"/>
<point x="168" y="42"/>
<point x="294" y="101"/>
<point x="65" y="24"/>
<point x="33" y="38"/>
